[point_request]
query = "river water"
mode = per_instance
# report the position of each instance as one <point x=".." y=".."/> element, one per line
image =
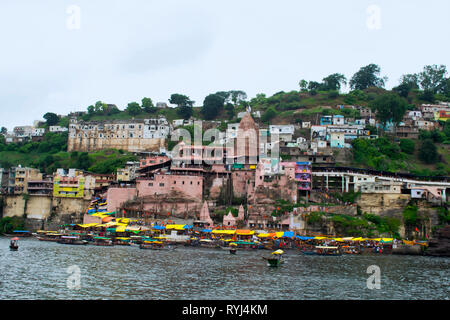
<point x="39" y="270"/>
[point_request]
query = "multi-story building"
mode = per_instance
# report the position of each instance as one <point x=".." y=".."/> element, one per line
<point x="4" y="177"/>
<point x="284" y="132"/>
<point x="407" y="131"/>
<point x="163" y="183"/>
<point x="57" y="129"/>
<point x="129" y="135"/>
<point x="128" y="173"/>
<point x="40" y="187"/>
<point x="303" y="176"/>
<point x="73" y="184"/>
<point x="23" y="176"/>
<point x="23" y="131"/>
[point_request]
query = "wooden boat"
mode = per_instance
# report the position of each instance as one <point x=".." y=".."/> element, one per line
<point x="122" y="241"/>
<point x="208" y="243"/>
<point x="276" y="259"/>
<point x="103" y="241"/>
<point x="54" y="237"/>
<point x="72" y="240"/>
<point x="19" y="233"/>
<point x="13" y="246"/>
<point x="328" y="251"/>
<point x="247" y="245"/>
<point x="156" y="245"/>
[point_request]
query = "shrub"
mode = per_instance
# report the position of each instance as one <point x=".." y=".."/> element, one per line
<point x="407" y="146"/>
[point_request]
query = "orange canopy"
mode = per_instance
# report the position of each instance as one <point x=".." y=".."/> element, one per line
<point x="107" y="219"/>
<point x="244" y="232"/>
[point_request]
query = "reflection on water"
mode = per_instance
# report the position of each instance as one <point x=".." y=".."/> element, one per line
<point x="39" y="271"/>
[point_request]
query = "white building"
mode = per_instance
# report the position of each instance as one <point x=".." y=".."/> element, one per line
<point x="38" y="132"/>
<point x="338" y="120"/>
<point x="284" y="132"/>
<point x="57" y="129"/>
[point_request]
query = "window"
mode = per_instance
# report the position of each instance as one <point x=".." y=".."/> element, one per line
<point x="191" y="182"/>
<point x="161" y="184"/>
<point x="174" y="182"/>
<point x="150" y="184"/>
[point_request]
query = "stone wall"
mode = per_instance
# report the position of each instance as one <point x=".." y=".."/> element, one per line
<point x="45" y="210"/>
<point x="382" y="203"/>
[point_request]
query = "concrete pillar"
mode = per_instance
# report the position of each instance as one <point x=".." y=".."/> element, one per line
<point x="343" y="183"/>
<point x="327" y="182"/>
<point x="347" y="182"/>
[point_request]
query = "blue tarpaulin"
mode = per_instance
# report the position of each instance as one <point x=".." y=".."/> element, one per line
<point x="206" y="230"/>
<point x="159" y="227"/>
<point x="288" y="234"/>
<point x="304" y="238"/>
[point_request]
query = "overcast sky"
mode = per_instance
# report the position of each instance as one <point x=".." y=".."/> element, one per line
<point x="122" y="51"/>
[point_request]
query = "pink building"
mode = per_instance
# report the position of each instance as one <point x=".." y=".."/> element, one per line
<point x="153" y="161"/>
<point x="117" y="196"/>
<point x="164" y="183"/>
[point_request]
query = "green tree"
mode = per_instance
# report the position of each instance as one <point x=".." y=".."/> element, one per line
<point x="408" y="82"/>
<point x="237" y="96"/>
<point x="147" y="105"/>
<point x="3" y="130"/>
<point x="366" y="77"/>
<point x="269" y="114"/>
<point x="91" y="109"/>
<point x="389" y="107"/>
<point x="314" y="86"/>
<point x="133" y="108"/>
<point x="83" y="162"/>
<point x="428" y="152"/>
<point x="51" y="118"/>
<point x="303" y="84"/>
<point x="433" y="78"/>
<point x="229" y="108"/>
<point x="212" y="105"/>
<point x="99" y="107"/>
<point x="184" y="104"/>
<point x="180" y="100"/>
<point x="334" y="82"/>
<point x="407" y="146"/>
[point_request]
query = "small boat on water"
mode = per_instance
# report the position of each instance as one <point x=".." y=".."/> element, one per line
<point x="208" y="243"/>
<point x="19" y="233"/>
<point x="121" y="241"/>
<point x="328" y="251"/>
<point x="13" y="246"/>
<point x="103" y="241"/>
<point x="276" y="259"/>
<point x="74" y="240"/>
<point x="156" y="245"/>
<point x="54" y="237"/>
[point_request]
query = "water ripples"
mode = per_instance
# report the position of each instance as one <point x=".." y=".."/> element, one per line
<point x="39" y="271"/>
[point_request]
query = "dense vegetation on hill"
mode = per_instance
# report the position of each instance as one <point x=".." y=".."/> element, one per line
<point x="50" y="154"/>
<point x="427" y="156"/>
